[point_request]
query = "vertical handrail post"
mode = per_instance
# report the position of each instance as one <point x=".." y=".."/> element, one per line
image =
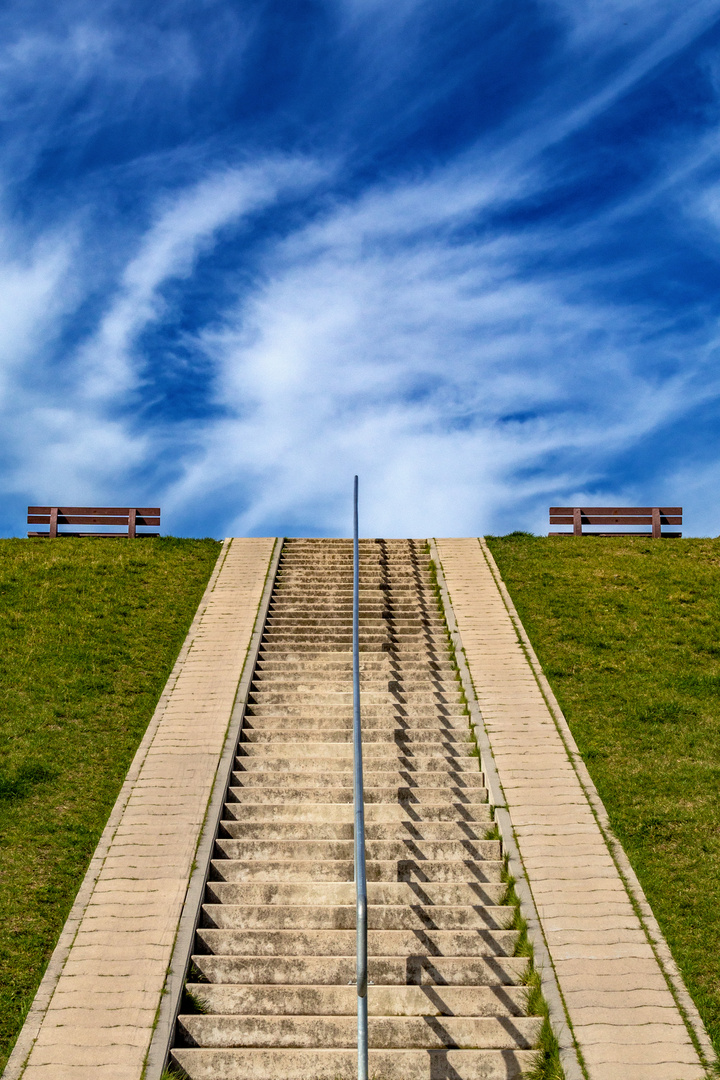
<point x="359" y="801"/>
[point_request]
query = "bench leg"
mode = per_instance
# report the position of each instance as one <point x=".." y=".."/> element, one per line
<point x="577" y="521"/>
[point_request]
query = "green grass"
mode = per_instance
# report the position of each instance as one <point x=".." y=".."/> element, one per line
<point x="89" y="631"/>
<point x="628" y="633"/>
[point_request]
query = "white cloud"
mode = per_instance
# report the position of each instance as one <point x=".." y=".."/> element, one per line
<point x="184" y="227"/>
<point x="64" y="427"/>
<point x="398" y="356"/>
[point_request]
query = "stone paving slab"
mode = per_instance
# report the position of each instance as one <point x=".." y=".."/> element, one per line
<point x="625" y="1019"/>
<point x="95" y="1012"/>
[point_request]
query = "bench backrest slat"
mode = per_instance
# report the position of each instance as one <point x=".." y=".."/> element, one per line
<point x="627" y="511"/>
<point x="590" y="518"/>
<point x="90" y="519"/>
<point x="101" y="511"/>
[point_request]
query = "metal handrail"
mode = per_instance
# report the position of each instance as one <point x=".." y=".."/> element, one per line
<point x="359" y="830"/>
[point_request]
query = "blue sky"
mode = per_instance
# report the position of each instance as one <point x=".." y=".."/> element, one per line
<point x="469" y="251"/>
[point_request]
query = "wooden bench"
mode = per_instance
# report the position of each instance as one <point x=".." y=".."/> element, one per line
<point x="129" y="517"/>
<point x="653" y="516"/>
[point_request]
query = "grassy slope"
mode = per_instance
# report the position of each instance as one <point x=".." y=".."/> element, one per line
<point x="627" y="632"/>
<point x="89" y="631"/>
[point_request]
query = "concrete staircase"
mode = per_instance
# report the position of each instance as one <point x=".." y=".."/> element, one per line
<point x="274" y="965"/>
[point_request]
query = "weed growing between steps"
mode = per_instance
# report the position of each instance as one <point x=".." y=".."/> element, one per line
<point x="627" y="632"/>
<point x="547" y="1064"/>
<point x="89" y="632"/>
<point x="174" y="1072"/>
<point x="194" y="1004"/>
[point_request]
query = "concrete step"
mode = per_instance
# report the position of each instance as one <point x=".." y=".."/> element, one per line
<point x="433" y="746"/>
<point x="328" y="683"/>
<point x="342" y="1000"/>
<point x="264" y="695"/>
<point x="382" y="850"/>
<point x="432" y="689"/>
<point x="324" y="1064"/>
<point x="339" y="870"/>
<point x="381" y="661"/>
<point x="334" y="605"/>
<point x="380" y="917"/>
<point x="392" y="893"/>
<point x="398" y="651"/>
<point x="386" y="722"/>
<point x="405" y="775"/>
<point x="331" y="830"/>
<point x="336" y="600"/>
<point x="382" y="756"/>
<point x="369" y="629"/>
<point x="300" y="942"/>
<point x="380" y="628"/>
<point x="337" y="666"/>
<point x="413" y="970"/>
<point x="381" y="621"/>
<point x="453" y="741"/>
<point x="386" y="1032"/>
<point x="461" y="814"/>
<point x="397" y="710"/>
<point x="404" y="793"/>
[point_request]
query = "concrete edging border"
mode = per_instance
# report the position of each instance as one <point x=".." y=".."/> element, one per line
<point x="655" y="936"/>
<point x="159" y="1049"/>
<point x="550" y="988"/>
<point x="33" y="1021"/>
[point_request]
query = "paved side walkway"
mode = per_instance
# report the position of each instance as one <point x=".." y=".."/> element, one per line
<point x="101" y="1012"/>
<point x="624" y="1017"/>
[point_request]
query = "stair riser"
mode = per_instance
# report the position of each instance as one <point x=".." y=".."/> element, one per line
<point x="339" y="870"/>
<point x="401" y="830"/>
<point x="436" y="779"/>
<point x="409" y="712"/>
<point x="384" y="850"/>
<point x="410" y="796"/>
<point x="380" y="813"/>
<point x="387" y="758"/>
<point x="435" y="740"/>
<point x="385" y="721"/>
<point x="388" y="683"/>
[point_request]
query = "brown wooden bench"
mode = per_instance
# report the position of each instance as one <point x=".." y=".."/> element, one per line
<point x="129" y="517"/>
<point x="653" y="516"/>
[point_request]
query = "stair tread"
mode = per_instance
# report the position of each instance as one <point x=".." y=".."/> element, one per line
<point x="386" y="1032"/>
<point x="325" y="1064"/>
<point x="382" y="1000"/>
